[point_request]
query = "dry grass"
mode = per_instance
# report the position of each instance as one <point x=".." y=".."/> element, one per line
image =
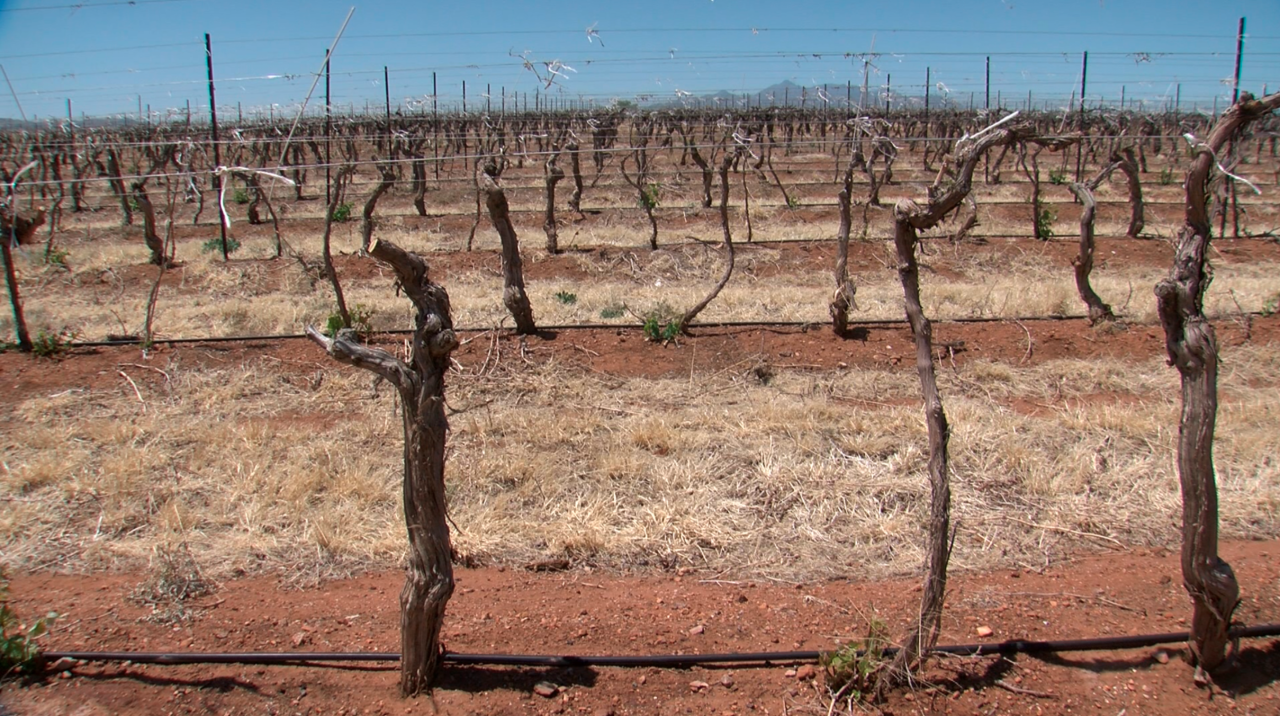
<point x="217" y="299"/>
<point x="814" y="474"/>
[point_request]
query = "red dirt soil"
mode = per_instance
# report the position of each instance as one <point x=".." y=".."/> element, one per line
<point x="624" y="351"/>
<point x="581" y="612"/>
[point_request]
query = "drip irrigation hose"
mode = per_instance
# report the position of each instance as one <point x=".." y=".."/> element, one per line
<point x="766" y="658"/>
<point x="595" y="327"/>
<point x="870" y="323"/>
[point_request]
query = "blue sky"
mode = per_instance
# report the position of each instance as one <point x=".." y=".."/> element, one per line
<point x="106" y="54"/>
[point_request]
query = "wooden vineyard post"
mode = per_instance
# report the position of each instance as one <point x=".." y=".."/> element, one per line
<point x="420" y="384"/>
<point x="1192" y="348"/>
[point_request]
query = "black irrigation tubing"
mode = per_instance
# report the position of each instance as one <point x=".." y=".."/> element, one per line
<point x="804" y="325"/>
<point x="765" y="658"/>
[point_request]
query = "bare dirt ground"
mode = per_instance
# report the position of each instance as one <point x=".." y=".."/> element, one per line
<point x="584" y="612"/>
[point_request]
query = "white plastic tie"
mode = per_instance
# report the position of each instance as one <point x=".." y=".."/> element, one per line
<point x="1200" y="146"/>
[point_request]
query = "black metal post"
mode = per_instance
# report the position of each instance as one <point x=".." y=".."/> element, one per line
<point x="435" y="128"/>
<point x="927" y="78"/>
<point x="988" y="105"/>
<point x="328" y="125"/>
<point x="1084" y="78"/>
<point x="1235" y="89"/>
<point x="217" y="151"/>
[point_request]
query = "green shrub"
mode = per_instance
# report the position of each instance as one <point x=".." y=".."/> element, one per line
<point x="342" y="212"/>
<point x="214" y="246"/>
<point x="18" y="651"/>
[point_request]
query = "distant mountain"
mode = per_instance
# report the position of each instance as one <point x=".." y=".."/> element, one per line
<point x="782" y="94"/>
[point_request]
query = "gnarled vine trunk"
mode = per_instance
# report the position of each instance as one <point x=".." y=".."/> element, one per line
<point x="692" y="313"/>
<point x="513" y="293"/>
<point x="1192" y="348"/>
<point x="845" y="291"/>
<point x="909" y="218"/>
<point x="1083" y="263"/>
<point x="420" y="384"/>
<point x="552" y="177"/>
<point x="154" y="244"/>
<point x="1129" y="166"/>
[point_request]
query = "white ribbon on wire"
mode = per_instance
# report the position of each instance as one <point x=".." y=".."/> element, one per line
<point x="1007" y="117"/>
<point x="1200" y="146"/>
<point x="225" y="173"/>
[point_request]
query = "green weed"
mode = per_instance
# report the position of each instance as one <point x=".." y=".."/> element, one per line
<point x="214" y="246"/>
<point x="48" y="344"/>
<point x="1057" y="177"/>
<point x="57" y="257"/>
<point x="361" y="321"/>
<point x="613" y="311"/>
<point x="18" y="651"/>
<point x="240" y="196"/>
<point x="1271" y="305"/>
<point x="649" y="196"/>
<point x="342" y="212"/>
<point x="566" y="297"/>
<point x="659" y="332"/>
<point x="1045" y="216"/>
<point x="661" y="324"/>
<point x="853" y="669"/>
